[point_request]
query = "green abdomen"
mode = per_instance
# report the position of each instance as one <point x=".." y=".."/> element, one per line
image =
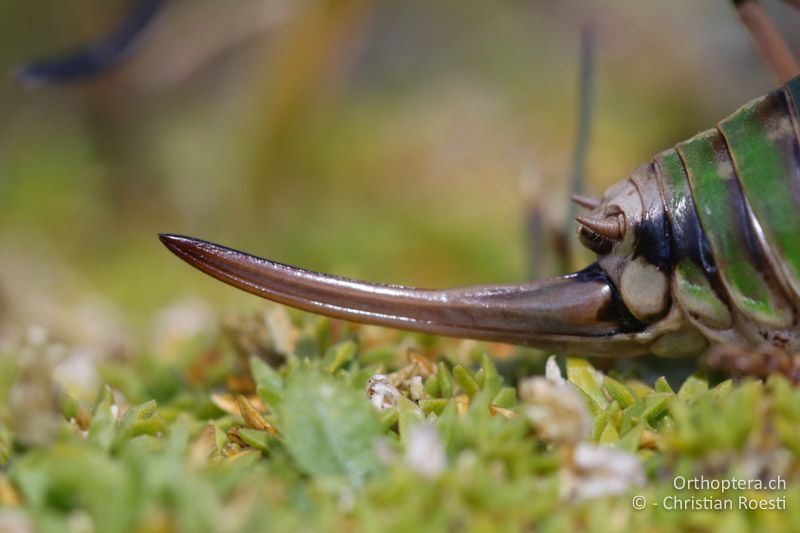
<point x="732" y="196"/>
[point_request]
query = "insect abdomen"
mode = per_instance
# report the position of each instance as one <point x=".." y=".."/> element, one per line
<point x="732" y="195"/>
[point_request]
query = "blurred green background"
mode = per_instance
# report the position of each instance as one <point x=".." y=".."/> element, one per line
<point x="369" y="138"/>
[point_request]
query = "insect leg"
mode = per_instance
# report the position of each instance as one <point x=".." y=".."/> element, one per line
<point x="550" y="249"/>
<point x="537" y="232"/>
<point x="770" y="43"/>
<point x="760" y="362"/>
<point x="585" y="95"/>
<point x="794" y="3"/>
<point x="95" y="58"/>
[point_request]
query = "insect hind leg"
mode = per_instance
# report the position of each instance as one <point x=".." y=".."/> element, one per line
<point x="768" y="40"/>
<point x="760" y="362"/>
<point x="550" y="250"/>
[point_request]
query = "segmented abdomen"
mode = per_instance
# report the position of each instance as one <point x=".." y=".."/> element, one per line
<point x="732" y="197"/>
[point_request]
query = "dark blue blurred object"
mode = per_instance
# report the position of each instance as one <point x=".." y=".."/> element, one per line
<point x="96" y="58"/>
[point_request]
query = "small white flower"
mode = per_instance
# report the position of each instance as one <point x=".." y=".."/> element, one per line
<point x="36" y="336"/>
<point x="415" y="388"/>
<point x="599" y="376"/>
<point x="598" y="471"/>
<point x="381" y="393"/>
<point x="175" y="325"/>
<point x="346" y="501"/>
<point x="385" y="451"/>
<point x="425" y="453"/>
<point x="80" y="521"/>
<point x="556" y="411"/>
<point x="15" y="520"/>
<point x="77" y="374"/>
<point x="552" y="372"/>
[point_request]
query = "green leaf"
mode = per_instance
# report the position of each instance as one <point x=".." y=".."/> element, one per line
<point x="609" y="435"/>
<point x="466" y="381"/>
<point x="138" y="412"/>
<point x="693" y="388"/>
<point x="6" y="444"/>
<point x="69" y="406"/>
<point x="388" y="418"/>
<point x="377" y="355"/>
<point x="328" y="428"/>
<point x="492" y="382"/>
<point x="432" y="386"/>
<point x="506" y="397"/>
<point x="255" y="438"/>
<point x="68" y="476"/>
<point x="142" y="419"/>
<point x="630" y="441"/>
<point x="722" y="388"/>
<point x="618" y="392"/>
<point x="633" y="415"/>
<point x="591" y="405"/>
<point x="435" y="405"/>
<point x="103" y="425"/>
<point x="602" y="420"/>
<point x="339" y="355"/>
<point x="445" y="380"/>
<point x="656" y="404"/>
<point x="410" y="415"/>
<point x="584" y="376"/>
<point x="269" y="384"/>
<point x="661" y="385"/>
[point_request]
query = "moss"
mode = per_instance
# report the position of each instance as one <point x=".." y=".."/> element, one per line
<point x="332" y="460"/>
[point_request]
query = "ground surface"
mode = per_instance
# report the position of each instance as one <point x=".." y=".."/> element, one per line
<point x="284" y="425"/>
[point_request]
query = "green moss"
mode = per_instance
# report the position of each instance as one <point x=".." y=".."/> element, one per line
<point x="329" y="460"/>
